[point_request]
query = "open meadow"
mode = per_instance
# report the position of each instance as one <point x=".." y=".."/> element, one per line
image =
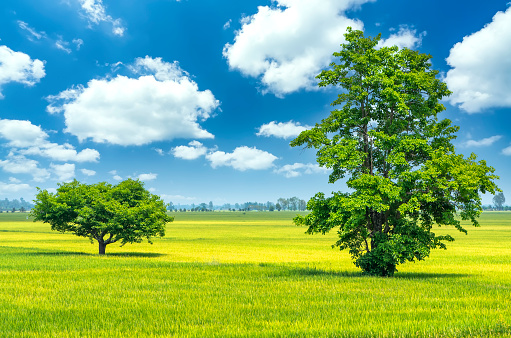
<point x="254" y="274"/>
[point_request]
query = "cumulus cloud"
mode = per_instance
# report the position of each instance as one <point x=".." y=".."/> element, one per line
<point x="194" y="150"/>
<point x="88" y="172"/>
<point x="282" y="129"/>
<point x="95" y="12"/>
<point x="19" y="67"/>
<point x="479" y="78"/>
<point x="162" y="71"/>
<point x="9" y="188"/>
<point x="21" y="133"/>
<point x="64" y="172"/>
<point x="242" y="158"/>
<point x="507" y="151"/>
<point x="287" y="45"/>
<point x="19" y="164"/>
<point x="485" y="142"/>
<point x="163" y="103"/>
<point x="404" y="38"/>
<point x="29" y="139"/>
<point x="62" y="152"/>
<point x="147" y="177"/>
<point x="299" y="169"/>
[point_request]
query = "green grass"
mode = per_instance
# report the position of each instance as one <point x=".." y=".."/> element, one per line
<point x="247" y="275"/>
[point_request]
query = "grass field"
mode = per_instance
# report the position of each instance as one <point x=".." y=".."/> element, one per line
<point x="247" y="275"/>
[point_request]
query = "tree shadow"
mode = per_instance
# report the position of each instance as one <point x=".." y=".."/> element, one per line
<point x="35" y="252"/>
<point x="321" y="272"/>
<point x="282" y="271"/>
<point x="135" y="254"/>
<point x="428" y="275"/>
<point x="56" y="253"/>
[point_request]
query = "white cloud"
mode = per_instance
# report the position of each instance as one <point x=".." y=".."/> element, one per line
<point x="162" y="71"/>
<point x="485" y="142"/>
<point x="19" y="67"/>
<point x="95" y="12"/>
<point x="21" y="133"/>
<point x="298" y="169"/>
<point x="227" y="24"/>
<point x="14" y="180"/>
<point x="137" y="111"/>
<point x="62" y="45"/>
<point x="147" y="177"/>
<point x="287" y="45"/>
<point x="33" y="141"/>
<point x="65" y="172"/>
<point x="115" y="175"/>
<point x="78" y="43"/>
<point x="282" y="129"/>
<point x="479" y="78"/>
<point x="404" y="38"/>
<point x="88" y="172"/>
<point x="65" y="152"/>
<point x="9" y="188"/>
<point x="507" y="151"/>
<point x="32" y="32"/>
<point x="242" y="158"/>
<point x="191" y="152"/>
<point x="19" y="164"/>
<point x="159" y="151"/>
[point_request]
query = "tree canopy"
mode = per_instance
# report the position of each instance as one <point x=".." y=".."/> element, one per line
<point x="125" y="213"/>
<point x="401" y="167"/>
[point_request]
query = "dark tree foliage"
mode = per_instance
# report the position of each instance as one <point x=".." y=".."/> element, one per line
<point x="401" y="166"/>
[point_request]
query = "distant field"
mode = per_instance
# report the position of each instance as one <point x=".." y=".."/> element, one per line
<point x="221" y="274"/>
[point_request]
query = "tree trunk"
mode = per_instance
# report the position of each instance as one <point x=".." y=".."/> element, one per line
<point x="102" y="247"/>
<point x="377" y="220"/>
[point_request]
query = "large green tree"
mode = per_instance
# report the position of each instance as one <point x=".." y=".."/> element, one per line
<point x="125" y="213"/>
<point x="397" y="156"/>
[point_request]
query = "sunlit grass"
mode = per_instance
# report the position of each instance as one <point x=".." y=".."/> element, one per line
<point x="253" y="274"/>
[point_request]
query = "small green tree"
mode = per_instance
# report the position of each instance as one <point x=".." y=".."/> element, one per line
<point x="124" y="213"/>
<point x="401" y="165"/>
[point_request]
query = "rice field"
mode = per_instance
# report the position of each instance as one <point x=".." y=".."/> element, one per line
<point x="248" y="274"/>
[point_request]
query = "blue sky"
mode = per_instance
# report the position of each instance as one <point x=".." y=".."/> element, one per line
<point x="199" y="99"/>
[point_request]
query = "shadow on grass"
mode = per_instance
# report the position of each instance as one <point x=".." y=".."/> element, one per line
<point x="76" y="253"/>
<point x="321" y="272"/>
<point x="56" y="253"/>
<point x="135" y="254"/>
<point x="282" y="271"/>
<point x="427" y="275"/>
<point x="35" y="252"/>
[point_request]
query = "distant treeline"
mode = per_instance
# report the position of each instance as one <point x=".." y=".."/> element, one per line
<point x="21" y="205"/>
<point x="293" y="203"/>
<point x="496" y="208"/>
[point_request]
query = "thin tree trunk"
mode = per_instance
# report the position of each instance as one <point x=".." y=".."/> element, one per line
<point x="102" y="247"/>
